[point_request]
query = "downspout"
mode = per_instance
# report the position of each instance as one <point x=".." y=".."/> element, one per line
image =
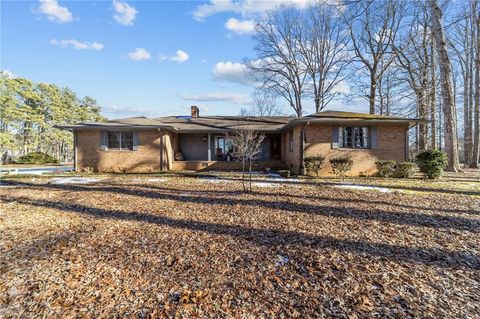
<point x="161" y="149"/>
<point x="407" y="144"/>
<point x="302" y="149"/>
<point x="74" y="151"/>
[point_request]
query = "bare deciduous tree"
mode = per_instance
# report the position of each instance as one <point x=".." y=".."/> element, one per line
<point x="323" y="44"/>
<point x="446" y="77"/>
<point x="462" y="42"/>
<point x="264" y="104"/>
<point x="476" y="144"/>
<point x="247" y="145"/>
<point x="414" y="58"/>
<point x="278" y="66"/>
<point x="373" y="27"/>
<point x="433" y="94"/>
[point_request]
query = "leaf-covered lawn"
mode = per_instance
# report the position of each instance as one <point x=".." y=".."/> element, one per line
<point x="194" y="247"/>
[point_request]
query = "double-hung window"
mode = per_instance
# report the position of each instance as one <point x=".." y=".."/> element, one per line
<point x="354" y="137"/>
<point x="120" y="140"/>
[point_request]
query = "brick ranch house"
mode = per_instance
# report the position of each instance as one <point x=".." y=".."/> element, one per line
<point x="139" y="144"/>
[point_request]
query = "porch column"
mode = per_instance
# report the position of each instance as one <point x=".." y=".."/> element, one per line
<point x="209" y="147"/>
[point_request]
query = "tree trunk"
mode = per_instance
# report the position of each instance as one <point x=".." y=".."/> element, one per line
<point x="250" y="174"/>
<point x="451" y="141"/>
<point x="373" y="91"/>
<point x="422" y="128"/>
<point x="467" y="127"/>
<point x="433" y="95"/>
<point x="243" y="173"/>
<point x="476" y="142"/>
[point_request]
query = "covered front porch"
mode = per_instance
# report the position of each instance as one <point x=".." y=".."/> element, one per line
<point x="205" y="151"/>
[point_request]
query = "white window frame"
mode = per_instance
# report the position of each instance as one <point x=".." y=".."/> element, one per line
<point x="341" y="139"/>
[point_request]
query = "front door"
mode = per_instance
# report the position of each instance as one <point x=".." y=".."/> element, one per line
<point x="275" y="147"/>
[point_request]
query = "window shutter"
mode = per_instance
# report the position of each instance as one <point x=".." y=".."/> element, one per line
<point x="373" y="139"/>
<point x="103" y="140"/>
<point x="135" y="141"/>
<point x="335" y="136"/>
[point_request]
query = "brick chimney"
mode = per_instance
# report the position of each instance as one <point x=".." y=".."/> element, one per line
<point x="195" y="111"/>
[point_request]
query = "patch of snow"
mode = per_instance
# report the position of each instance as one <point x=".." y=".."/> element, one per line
<point x="156" y="180"/>
<point x="275" y="181"/>
<point x="185" y="194"/>
<point x="214" y="180"/>
<point x="281" y="180"/>
<point x="364" y="187"/>
<point x="254" y="173"/>
<point x="44" y="170"/>
<point x="272" y="181"/>
<point x="8" y="171"/>
<point x="74" y="180"/>
<point x="265" y="184"/>
<point x="273" y="175"/>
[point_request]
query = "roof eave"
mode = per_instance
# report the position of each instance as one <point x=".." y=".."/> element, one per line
<point x="179" y="130"/>
<point x="104" y="127"/>
<point x="305" y="120"/>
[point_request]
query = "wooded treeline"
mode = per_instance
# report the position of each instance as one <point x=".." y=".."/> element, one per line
<point x="412" y="58"/>
<point x="28" y="112"/>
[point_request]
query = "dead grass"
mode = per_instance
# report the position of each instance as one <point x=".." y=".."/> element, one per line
<point x="129" y="247"/>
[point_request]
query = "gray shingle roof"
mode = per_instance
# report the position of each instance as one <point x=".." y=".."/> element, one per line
<point x="225" y="123"/>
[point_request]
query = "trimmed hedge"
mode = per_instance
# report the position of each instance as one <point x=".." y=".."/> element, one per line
<point x="432" y="163"/>
<point x="36" y="158"/>
<point x="385" y="168"/>
<point x="313" y="164"/>
<point x="405" y="170"/>
<point x="341" y="165"/>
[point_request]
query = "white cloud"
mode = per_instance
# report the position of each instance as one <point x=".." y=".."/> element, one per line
<point x="77" y="44"/>
<point x="231" y="72"/>
<point x="55" y="12"/>
<point x="139" y="54"/>
<point x="124" y="13"/>
<point x="117" y="111"/>
<point x="180" y="57"/>
<point x="7" y="74"/>
<point x="239" y="26"/>
<point x="236" y="98"/>
<point x="204" y="108"/>
<point x="243" y="7"/>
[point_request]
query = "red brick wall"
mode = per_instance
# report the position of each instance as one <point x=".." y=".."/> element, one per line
<point x="222" y="165"/>
<point x="391" y="144"/>
<point x="292" y="158"/>
<point x="146" y="159"/>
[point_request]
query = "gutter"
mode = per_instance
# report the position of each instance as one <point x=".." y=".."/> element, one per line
<point x="411" y="122"/>
<point x="110" y="127"/>
<point x="161" y="149"/>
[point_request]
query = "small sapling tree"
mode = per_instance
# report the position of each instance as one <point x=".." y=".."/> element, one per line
<point x="246" y="147"/>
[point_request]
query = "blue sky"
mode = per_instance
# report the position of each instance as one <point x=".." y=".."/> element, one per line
<point x="151" y="58"/>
